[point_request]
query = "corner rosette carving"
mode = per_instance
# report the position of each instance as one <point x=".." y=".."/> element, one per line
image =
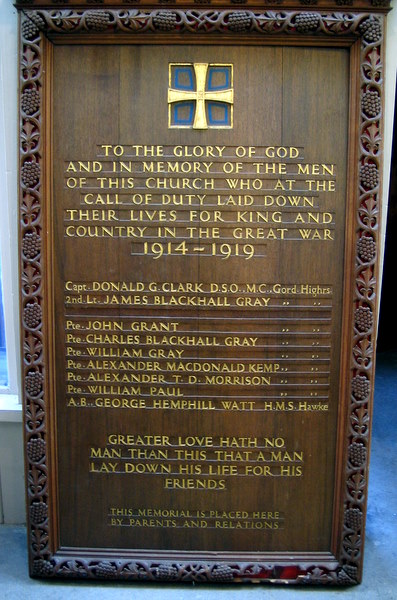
<point x="348" y="575"/>
<point x="371" y="30"/>
<point x="42" y="568"/>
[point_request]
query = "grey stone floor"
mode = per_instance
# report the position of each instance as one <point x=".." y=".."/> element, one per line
<point x="380" y="563"/>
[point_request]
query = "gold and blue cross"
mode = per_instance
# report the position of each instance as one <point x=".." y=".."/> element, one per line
<point x="200" y="95"/>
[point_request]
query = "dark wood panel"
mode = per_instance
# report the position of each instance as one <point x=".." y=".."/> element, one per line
<point x="119" y="97"/>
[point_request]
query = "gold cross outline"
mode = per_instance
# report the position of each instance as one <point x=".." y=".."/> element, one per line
<point x="200" y="94"/>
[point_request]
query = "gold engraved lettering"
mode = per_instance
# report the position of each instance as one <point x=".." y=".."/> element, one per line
<point x="116" y="182"/>
<point x="177" y="167"/>
<point x="321" y="186"/>
<point x="194" y="484"/>
<point x="316" y="234"/>
<point x="199" y="151"/>
<point x="273" y="168"/>
<point x="120" y="167"/>
<point x="88" y="166"/>
<point x="286" y="184"/>
<point x="101" y="199"/>
<point x="310" y="217"/>
<point x="316" y="169"/>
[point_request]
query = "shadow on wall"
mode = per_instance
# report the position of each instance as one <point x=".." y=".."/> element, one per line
<point x="387" y="336"/>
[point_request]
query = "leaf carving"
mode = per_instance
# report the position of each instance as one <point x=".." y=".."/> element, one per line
<point x="360" y="420"/>
<point x="363" y="352"/>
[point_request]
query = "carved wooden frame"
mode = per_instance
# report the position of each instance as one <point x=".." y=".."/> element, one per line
<point x="363" y="32"/>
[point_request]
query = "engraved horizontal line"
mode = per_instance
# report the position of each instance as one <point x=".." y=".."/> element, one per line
<point x="202" y="397"/>
<point x="203" y="189"/>
<point x="277" y="295"/>
<point x="216" y="409"/>
<point x="174" y="158"/>
<point x="159" y="307"/>
<point x="323" y="409"/>
<point x="185" y="476"/>
<point x="191" y="461"/>
<point x="204" y="358"/>
<point x="214" y="332"/>
<point x="244" y="448"/>
<point x="246" y="332"/>
<point x="189" y="147"/>
<point x="151" y="345"/>
<point x="198" y="384"/>
<point x="144" y="318"/>
<point x="177" y="371"/>
<point x="185" y="207"/>
<point x="287" y="359"/>
<point x="220" y="529"/>
<point x="192" y="174"/>
<point x="224" y="224"/>
<point x="195" y="516"/>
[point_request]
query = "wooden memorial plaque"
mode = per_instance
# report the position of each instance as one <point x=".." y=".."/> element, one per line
<point x="199" y="215"/>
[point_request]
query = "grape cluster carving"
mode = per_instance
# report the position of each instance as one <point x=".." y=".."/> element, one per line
<point x="166" y="572"/>
<point x="31" y="244"/>
<point x="30" y="173"/>
<point x="32" y="314"/>
<point x="42" y="567"/>
<point x="29" y="30"/>
<point x="353" y="518"/>
<point x="366" y="248"/>
<point x="239" y="21"/>
<point x="360" y="387"/>
<point x="222" y="573"/>
<point x="371" y="30"/>
<point x="165" y="20"/>
<point x="371" y="103"/>
<point x="106" y="569"/>
<point x="34" y="383"/>
<point x="363" y="318"/>
<point x="369" y="176"/>
<point x="38" y="512"/>
<point x="357" y="454"/>
<point x="30" y="101"/>
<point x="36" y="448"/>
<point x="307" y="22"/>
<point x="97" y="20"/>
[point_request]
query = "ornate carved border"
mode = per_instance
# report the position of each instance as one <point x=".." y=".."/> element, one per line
<point x="35" y="25"/>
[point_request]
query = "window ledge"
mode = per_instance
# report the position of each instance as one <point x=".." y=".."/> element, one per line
<point x="10" y="408"/>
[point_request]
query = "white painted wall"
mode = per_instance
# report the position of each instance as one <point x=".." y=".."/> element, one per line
<point x="12" y="494"/>
<point x="12" y="498"/>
